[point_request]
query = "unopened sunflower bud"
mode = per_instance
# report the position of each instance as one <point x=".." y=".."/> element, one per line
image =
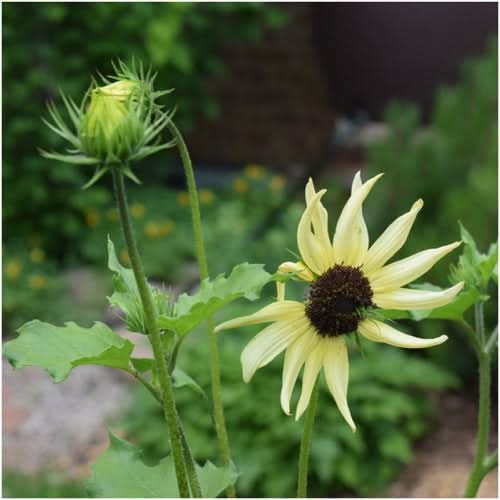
<point x="117" y="123"/>
<point x="112" y="128"/>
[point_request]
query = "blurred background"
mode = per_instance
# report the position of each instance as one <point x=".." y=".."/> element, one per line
<point x="266" y="95"/>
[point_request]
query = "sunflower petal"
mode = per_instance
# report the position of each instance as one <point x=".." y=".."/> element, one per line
<point x="319" y="217"/>
<point x="336" y="366"/>
<point x="298" y="268"/>
<point x="349" y="242"/>
<point x="316" y="255"/>
<point x="359" y="225"/>
<point x="411" y="300"/>
<point x="376" y="331"/>
<point x="312" y="367"/>
<point x="280" y="310"/>
<point x="391" y="240"/>
<point x="295" y="357"/>
<point x="401" y="272"/>
<point x="268" y="343"/>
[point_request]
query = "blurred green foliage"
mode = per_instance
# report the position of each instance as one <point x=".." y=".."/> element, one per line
<point x="385" y="396"/>
<point x="18" y="485"/>
<point x="452" y="165"/>
<point x="52" y="45"/>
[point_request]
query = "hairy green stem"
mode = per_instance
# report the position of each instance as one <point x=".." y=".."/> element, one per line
<point x="153" y="332"/>
<point x="220" y="424"/>
<point x="478" y="470"/>
<point x="190" y="463"/>
<point x="492" y="341"/>
<point x="471" y="336"/>
<point x="305" y="444"/>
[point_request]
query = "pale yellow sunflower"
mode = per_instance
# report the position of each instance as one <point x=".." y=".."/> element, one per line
<point x="347" y="279"/>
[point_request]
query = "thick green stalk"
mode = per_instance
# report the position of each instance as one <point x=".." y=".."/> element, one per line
<point x="167" y="396"/>
<point x="479" y="469"/>
<point x="305" y="444"/>
<point x="220" y="424"/>
<point x="190" y="463"/>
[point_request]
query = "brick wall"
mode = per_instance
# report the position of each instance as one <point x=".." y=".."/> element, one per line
<point x="274" y="105"/>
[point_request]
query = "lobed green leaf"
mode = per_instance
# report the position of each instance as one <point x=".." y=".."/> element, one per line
<point x="246" y="280"/>
<point x="59" y="349"/>
<point x="121" y="472"/>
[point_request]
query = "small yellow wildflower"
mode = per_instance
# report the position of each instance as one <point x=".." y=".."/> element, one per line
<point x="13" y="269"/>
<point x="137" y="210"/>
<point x="124" y="256"/>
<point x="277" y="182"/>
<point x="182" y="198"/>
<point x="37" y="281"/>
<point x="240" y="185"/>
<point x="152" y="230"/>
<point x="166" y="227"/>
<point x="254" y="171"/>
<point x="112" y="214"/>
<point x="37" y="255"/>
<point x="206" y="196"/>
<point x="92" y="218"/>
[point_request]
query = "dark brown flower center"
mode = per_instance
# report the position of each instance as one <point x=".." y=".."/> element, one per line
<point x="336" y="300"/>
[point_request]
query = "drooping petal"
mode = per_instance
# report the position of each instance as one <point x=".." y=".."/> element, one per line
<point x="376" y="331"/>
<point x="298" y="268"/>
<point x="349" y="242"/>
<point x="391" y="240"/>
<point x="411" y="300"/>
<point x="295" y="357"/>
<point x="401" y="272"/>
<point x="280" y="290"/>
<point x="336" y="366"/>
<point x="315" y="253"/>
<point x="280" y="310"/>
<point x="312" y="367"/>
<point x="319" y="217"/>
<point x="270" y="342"/>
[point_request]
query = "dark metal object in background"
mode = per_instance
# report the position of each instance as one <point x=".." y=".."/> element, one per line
<point x="374" y="53"/>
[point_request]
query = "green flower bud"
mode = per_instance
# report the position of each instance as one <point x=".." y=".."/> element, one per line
<point x="116" y="124"/>
<point x="112" y="128"/>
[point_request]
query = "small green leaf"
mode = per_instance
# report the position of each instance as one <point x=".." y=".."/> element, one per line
<point x="182" y="379"/>
<point x="246" y="280"/>
<point x="59" y="349"/>
<point x="121" y="472"/>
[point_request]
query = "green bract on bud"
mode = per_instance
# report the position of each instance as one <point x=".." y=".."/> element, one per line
<point x="116" y="123"/>
<point x="112" y="127"/>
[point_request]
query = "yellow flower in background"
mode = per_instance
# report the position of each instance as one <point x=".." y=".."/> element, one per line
<point x="152" y="230"/>
<point x="92" y="218"/>
<point x="37" y="255"/>
<point x="166" y="227"/>
<point x="206" y="196"/>
<point x="253" y="171"/>
<point x="277" y="182"/>
<point x="240" y="185"/>
<point x="13" y="269"/>
<point x="137" y="210"/>
<point x="182" y="198"/>
<point x="112" y="214"/>
<point x="348" y="279"/>
<point x="37" y="281"/>
<point x="124" y="256"/>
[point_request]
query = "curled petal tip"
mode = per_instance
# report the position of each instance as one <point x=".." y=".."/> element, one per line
<point x="418" y="204"/>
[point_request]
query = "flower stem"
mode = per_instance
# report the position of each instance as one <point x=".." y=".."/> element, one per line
<point x="167" y="397"/>
<point x="478" y="468"/>
<point x="220" y="425"/>
<point x="482" y="463"/>
<point x="305" y="444"/>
